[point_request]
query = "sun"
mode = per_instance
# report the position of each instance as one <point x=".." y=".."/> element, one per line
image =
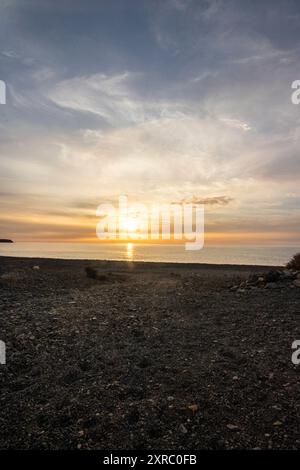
<point x="130" y="224"/>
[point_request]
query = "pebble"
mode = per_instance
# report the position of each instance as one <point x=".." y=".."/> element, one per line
<point x="183" y="429"/>
<point x="232" y="427"/>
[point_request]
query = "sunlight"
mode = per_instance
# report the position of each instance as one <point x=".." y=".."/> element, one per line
<point x="129" y="252"/>
<point x="130" y="224"/>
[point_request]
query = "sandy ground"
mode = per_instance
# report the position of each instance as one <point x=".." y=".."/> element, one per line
<point x="155" y="356"/>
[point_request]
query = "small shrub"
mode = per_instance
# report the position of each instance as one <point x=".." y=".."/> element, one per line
<point x="9" y="279"/>
<point x="91" y="272"/>
<point x="294" y="263"/>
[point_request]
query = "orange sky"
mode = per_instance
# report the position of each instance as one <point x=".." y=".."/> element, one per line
<point x="166" y="102"/>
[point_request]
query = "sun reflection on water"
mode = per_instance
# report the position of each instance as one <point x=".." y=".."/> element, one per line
<point x="129" y="251"/>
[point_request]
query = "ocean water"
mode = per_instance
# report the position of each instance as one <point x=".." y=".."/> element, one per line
<point x="259" y="255"/>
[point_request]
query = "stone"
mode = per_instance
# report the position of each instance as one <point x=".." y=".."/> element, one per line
<point x="271" y="285"/>
<point x="287" y="274"/>
<point x="183" y="429"/>
<point x="193" y="408"/>
<point x="272" y="276"/>
<point x="232" y="427"/>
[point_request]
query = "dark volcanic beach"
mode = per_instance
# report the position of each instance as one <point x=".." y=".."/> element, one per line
<point x="150" y="356"/>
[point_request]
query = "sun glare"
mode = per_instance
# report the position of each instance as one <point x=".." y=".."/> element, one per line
<point x="130" y="224"/>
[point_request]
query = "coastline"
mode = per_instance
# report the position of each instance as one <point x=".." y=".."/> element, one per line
<point x="240" y="255"/>
<point x="142" y="264"/>
<point x="158" y="355"/>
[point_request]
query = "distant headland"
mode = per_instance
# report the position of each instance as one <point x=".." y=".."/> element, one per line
<point x="5" y="240"/>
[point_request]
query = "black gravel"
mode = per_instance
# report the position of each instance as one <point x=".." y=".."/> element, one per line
<point x="153" y="356"/>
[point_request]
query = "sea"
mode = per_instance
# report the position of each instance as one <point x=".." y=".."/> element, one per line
<point x="167" y="253"/>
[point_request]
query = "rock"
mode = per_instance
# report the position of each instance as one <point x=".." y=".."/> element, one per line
<point x="268" y="280"/>
<point x="36" y="268"/>
<point x="287" y="274"/>
<point x="271" y="285"/>
<point x="296" y="283"/>
<point x="193" y="408"/>
<point x="272" y="276"/>
<point x="183" y="429"/>
<point x="232" y="427"/>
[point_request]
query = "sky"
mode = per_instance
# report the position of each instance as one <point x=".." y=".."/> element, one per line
<point x="163" y="101"/>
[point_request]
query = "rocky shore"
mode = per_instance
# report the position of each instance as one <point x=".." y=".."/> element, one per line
<point x="273" y="279"/>
<point x="151" y="356"/>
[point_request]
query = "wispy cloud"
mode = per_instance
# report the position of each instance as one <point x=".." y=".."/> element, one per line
<point x="211" y="201"/>
<point x="161" y="101"/>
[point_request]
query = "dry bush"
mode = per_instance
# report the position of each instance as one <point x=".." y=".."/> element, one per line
<point x="294" y="263"/>
<point x="9" y="279"/>
<point x="91" y="272"/>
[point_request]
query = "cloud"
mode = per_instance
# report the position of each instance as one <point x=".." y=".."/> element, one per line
<point x="161" y="101"/>
<point x="112" y="97"/>
<point x="211" y="201"/>
<point x="237" y="124"/>
<point x="9" y="54"/>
